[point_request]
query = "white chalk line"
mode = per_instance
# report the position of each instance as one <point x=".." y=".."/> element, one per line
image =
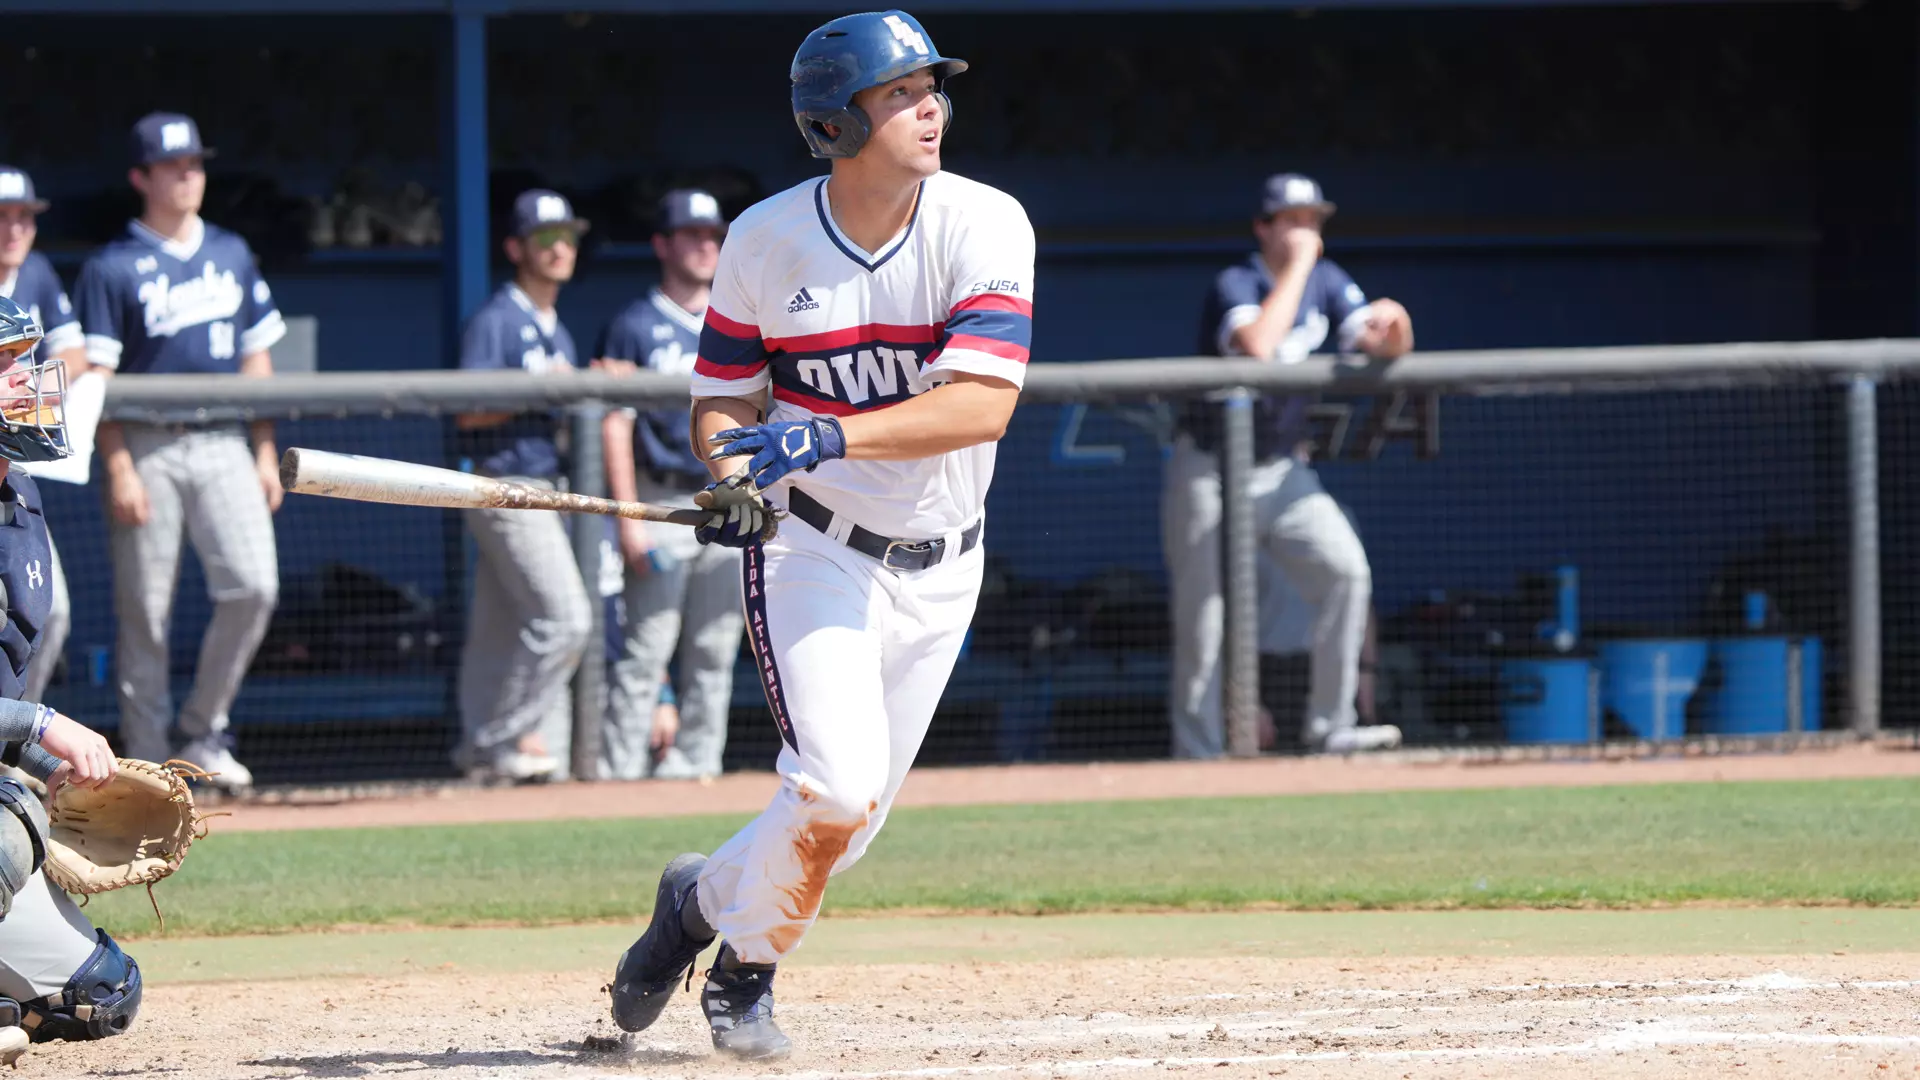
<point x="1641" y="1040"/>
<point x="1775" y="981"/>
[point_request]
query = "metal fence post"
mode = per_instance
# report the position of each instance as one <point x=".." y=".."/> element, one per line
<point x="1863" y="592"/>
<point x="589" y="477"/>
<point x="1239" y="579"/>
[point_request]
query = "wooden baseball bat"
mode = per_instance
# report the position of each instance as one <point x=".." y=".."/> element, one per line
<point x="372" y="479"/>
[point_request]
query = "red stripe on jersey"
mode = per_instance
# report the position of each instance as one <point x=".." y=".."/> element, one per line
<point x="729" y="372"/>
<point x="1006" y="350"/>
<point x="871" y="333"/>
<point x="995" y="302"/>
<point x="729" y="327"/>
<point x="827" y="405"/>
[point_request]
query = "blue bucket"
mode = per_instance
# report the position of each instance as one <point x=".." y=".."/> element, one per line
<point x="1759" y="678"/>
<point x="1647" y="683"/>
<point x="1548" y="701"/>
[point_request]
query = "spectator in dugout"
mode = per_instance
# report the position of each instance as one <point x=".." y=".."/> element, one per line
<point x="530" y="621"/>
<point x="180" y="295"/>
<point x="682" y="599"/>
<point x="1285" y="302"/>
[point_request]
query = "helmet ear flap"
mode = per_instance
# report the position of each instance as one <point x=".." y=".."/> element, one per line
<point x="854" y="127"/>
<point x="946" y="111"/>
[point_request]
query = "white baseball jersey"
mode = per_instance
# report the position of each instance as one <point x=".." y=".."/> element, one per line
<point x="837" y="330"/>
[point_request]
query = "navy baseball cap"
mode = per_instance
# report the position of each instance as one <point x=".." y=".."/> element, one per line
<point x="1292" y="191"/>
<point x="540" y="209"/>
<point x="162" y="135"/>
<point x="684" y="208"/>
<point x="16" y="189"/>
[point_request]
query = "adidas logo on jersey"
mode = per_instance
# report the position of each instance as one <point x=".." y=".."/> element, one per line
<point x="802" y="301"/>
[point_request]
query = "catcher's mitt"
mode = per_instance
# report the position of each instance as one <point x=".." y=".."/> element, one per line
<point x="135" y="830"/>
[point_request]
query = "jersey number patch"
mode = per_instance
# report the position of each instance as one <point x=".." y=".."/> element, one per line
<point x="220" y="340"/>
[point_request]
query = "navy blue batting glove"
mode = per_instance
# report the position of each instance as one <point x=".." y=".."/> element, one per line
<point x="782" y="447"/>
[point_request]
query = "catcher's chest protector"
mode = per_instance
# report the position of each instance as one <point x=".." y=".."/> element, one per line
<point x="26" y="571"/>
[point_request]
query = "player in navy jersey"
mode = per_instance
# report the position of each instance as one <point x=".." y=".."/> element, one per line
<point x="60" y="976"/>
<point x="178" y="295"/>
<point x="530" y="621"/>
<point x="681" y="597"/>
<point x="27" y="278"/>
<point x="1283" y="303"/>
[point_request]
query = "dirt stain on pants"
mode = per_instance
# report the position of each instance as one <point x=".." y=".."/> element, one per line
<point x="817" y="846"/>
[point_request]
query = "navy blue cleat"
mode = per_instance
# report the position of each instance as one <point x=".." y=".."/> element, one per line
<point x="643" y="981"/>
<point x="738" y="1000"/>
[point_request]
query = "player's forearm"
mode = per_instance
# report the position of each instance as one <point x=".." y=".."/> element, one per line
<point x="616" y="435"/>
<point x="259" y="365"/>
<point x="74" y="360"/>
<point x="712" y="416"/>
<point x="111" y="442"/>
<point x="965" y="412"/>
<point x="1261" y="338"/>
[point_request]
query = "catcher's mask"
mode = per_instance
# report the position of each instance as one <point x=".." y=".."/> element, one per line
<point x="33" y="418"/>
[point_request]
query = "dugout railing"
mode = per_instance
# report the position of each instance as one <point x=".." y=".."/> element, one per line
<point x="1539" y="452"/>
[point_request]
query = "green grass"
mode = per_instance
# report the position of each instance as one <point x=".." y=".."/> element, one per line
<point x="1767" y="843"/>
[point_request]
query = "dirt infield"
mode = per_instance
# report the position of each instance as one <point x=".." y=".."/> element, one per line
<point x="1229" y="1019"/>
<point x="1232" y="996"/>
<point x="746" y="793"/>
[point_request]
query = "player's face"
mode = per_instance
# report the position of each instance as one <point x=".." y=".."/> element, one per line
<point x="548" y="253"/>
<point x="177" y="185"/>
<point x="691" y="253"/>
<point x="1271" y="229"/>
<point x="907" y="121"/>
<point x="16" y="235"/>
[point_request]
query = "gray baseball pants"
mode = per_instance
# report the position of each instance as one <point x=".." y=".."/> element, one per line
<point x="201" y="487"/>
<point x="1308" y="537"/>
<point x="43" y="941"/>
<point x="526" y="632"/>
<point x="691" y="609"/>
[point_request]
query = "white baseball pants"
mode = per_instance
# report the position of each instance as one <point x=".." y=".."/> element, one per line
<point x="1308" y="537"/>
<point x="854" y="658"/>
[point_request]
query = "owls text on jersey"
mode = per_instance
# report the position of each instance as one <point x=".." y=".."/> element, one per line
<point x="834" y="329"/>
<point x="36" y="287"/>
<point x="659" y="335"/>
<point x="153" y="305"/>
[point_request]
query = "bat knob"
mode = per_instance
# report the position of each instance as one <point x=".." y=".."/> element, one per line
<point x="289" y="467"/>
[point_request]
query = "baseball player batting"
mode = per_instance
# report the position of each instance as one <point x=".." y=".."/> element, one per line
<point x="60" y="977"/>
<point x="888" y="309"/>
<point x="30" y="281"/>
<point x="178" y="295"/>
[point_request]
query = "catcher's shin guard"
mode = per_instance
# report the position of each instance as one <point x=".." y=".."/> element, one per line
<point x="100" y="1000"/>
<point x="23" y="839"/>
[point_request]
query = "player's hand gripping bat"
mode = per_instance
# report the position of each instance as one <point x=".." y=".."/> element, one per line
<point x="372" y="479"/>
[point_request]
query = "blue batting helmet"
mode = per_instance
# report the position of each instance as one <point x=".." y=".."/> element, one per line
<point x="33" y="424"/>
<point x="851" y="54"/>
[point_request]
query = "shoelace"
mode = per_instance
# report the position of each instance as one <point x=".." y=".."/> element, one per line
<point x="751" y="986"/>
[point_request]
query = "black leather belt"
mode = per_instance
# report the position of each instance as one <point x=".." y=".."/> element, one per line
<point x="905" y="555"/>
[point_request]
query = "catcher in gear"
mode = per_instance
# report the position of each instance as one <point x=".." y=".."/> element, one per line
<point x="60" y="977"/>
